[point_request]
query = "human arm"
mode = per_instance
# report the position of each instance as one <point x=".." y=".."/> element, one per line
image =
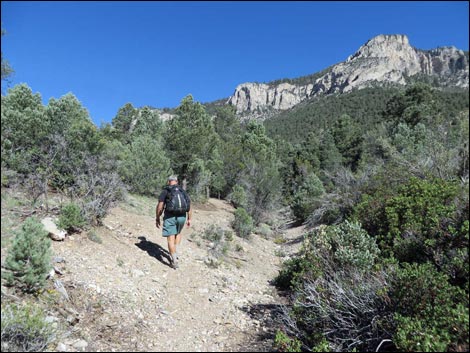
<point x="188" y="217"/>
<point x="158" y="213"/>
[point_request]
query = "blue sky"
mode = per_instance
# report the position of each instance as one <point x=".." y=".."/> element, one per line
<point x="109" y="53"/>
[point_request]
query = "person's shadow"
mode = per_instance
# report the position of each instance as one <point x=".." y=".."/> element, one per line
<point x="154" y="250"/>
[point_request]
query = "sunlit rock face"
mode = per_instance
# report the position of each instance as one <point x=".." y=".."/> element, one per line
<point x="383" y="59"/>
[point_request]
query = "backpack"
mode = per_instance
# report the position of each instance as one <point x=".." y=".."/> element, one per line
<point x="177" y="201"/>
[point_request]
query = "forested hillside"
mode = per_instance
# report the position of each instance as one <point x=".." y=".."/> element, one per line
<point x="365" y="106"/>
<point x="381" y="176"/>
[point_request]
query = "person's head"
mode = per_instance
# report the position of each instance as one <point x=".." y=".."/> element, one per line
<point x="172" y="180"/>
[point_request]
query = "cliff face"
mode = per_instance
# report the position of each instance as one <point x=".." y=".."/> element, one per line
<point x="383" y="59"/>
<point x="252" y="96"/>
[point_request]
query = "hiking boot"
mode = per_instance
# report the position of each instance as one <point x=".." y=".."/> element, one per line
<point x="174" y="263"/>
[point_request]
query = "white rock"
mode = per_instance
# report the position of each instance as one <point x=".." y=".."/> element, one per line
<point x="80" y="344"/>
<point x="61" y="347"/>
<point x="51" y="228"/>
<point x="138" y="273"/>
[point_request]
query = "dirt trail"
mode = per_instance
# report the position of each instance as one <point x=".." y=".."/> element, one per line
<point x="126" y="297"/>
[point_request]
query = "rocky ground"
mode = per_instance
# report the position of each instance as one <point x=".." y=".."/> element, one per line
<point x="120" y="294"/>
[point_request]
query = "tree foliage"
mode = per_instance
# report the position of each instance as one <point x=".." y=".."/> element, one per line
<point x="190" y="137"/>
<point x="6" y="70"/>
<point x="29" y="258"/>
<point x="145" y="167"/>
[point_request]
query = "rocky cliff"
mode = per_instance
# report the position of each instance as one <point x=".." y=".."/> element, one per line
<point x="383" y="59"/>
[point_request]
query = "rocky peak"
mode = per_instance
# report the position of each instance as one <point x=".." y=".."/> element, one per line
<point x="383" y="46"/>
<point x="382" y="59"/>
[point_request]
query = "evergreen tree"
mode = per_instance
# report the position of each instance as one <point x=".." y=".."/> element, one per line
<point x="29" y="258"/>
<point x="328" y="154"/>
<point x="124" y="121"/>
<point x="23" y="127"/>
<point x="6" y="69"/>
<point x="415" y="105"/>
<point x="309" y="151"/>
<point x="190" y="138"/>
<point x="74" y="137"/>
<point x="148" y="122"/>
<point x="306" y="198"/>
<point x="348" y="139"/>
<point x="145" y="166"/>
<point x="216" y="166"/>
<point x="226" y="123"/>
<point x="226" y="162"/>
<point x="259" y="174"/>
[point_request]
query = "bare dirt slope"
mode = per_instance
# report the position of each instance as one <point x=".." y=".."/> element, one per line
<point x="124" y="296"/>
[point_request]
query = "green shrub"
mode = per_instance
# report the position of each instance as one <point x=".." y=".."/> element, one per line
<point x="306" y="197"/>
<point x="214" y="233"/>
<point x="431" y="314"/>
<point x="284" y="343"/>
<point x="416" y="336"/>
<point x="243" y="223"/>
<point x="238" y="196"/>
<point x="71" y="217"/>
<point x="218" y="242"/>
<point x="29" y="258"/>
<point x="297" y="269"/>
<point x="93" y="236"/>
<point x="337" y="295"/>
<point x="344" y="246"/>
<point x="264" y="230"/>
<point x="24" y="329"/>
<point x="425" y="220"/>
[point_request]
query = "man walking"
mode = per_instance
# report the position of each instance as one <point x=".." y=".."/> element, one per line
<point x="177" y="206"/>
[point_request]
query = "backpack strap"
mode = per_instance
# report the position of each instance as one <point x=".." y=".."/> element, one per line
<point x="168" y="189"/>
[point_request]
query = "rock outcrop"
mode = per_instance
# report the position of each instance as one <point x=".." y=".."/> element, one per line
<point x="384" y="59"/>
<point x="252" y="96"/>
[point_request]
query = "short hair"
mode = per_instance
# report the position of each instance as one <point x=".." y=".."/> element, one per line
<point x="172" y="177"/>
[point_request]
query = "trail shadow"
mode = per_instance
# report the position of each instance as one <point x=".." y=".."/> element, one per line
<point x="154" y="250"/>
<point x="262" y="338"/>
<point x="293" y="224"/>
<point x="297" y="240"/>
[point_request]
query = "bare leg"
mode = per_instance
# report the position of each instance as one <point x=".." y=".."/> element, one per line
<point x="172" y="250"/>
<point x="178" y="239"/>
<point x="177" y="242"/>
<point x="171" y="244"/>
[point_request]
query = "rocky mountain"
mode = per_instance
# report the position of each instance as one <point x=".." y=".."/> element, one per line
<point x="385" y="59"/>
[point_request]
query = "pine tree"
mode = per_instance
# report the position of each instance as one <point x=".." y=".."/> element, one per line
<point x="29" y="258"/>
<point x="191" y="138"/>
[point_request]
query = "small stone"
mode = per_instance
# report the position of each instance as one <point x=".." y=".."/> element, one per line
<point x="61" y="347"/>
<point x="80" y="344"/>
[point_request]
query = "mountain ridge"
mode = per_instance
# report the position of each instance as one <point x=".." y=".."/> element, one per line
<point x="384" y="59"/>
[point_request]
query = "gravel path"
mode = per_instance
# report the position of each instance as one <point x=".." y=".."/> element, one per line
<point x="126" y="297"/>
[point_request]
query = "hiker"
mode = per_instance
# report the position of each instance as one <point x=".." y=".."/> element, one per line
<point x="177" y="206"/>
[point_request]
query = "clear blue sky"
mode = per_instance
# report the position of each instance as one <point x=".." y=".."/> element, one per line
<point x="109" y="53"/>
